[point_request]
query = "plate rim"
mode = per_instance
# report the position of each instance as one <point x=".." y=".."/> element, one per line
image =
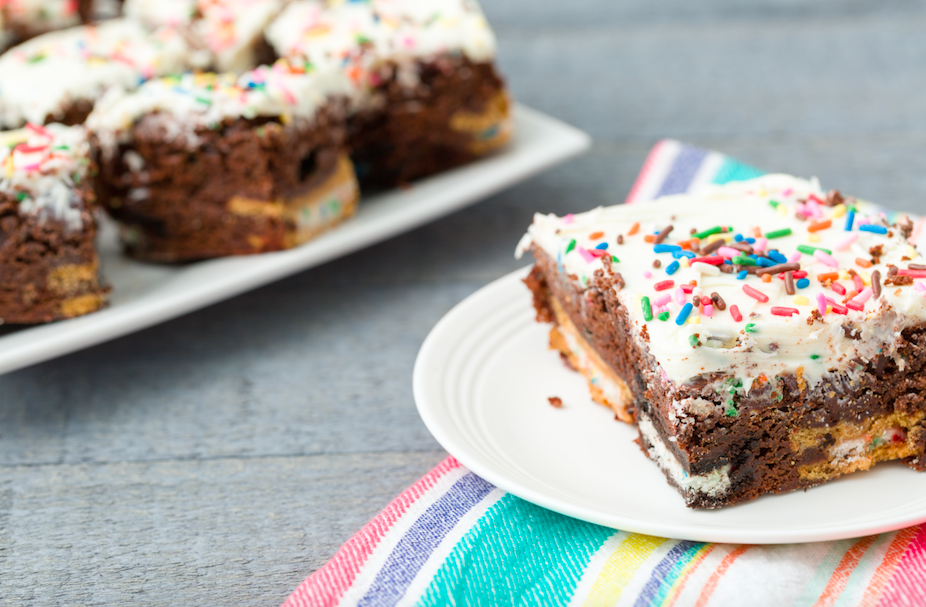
<point x="503" y="169"/>
<point x="428" y="410"/>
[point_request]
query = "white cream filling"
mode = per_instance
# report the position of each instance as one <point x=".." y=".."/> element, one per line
<point x="611" y="390"/>
<point x="715" y="483"/>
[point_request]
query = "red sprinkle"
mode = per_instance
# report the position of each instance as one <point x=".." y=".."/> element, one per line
<point x="665" y="284"/>
<point x="795" y="275"/>
<point x="859" y="284"/>
<point x="755" y="293"/>
<point x="837" y="308"/>
<point x="855" y="305"/>
<point x="686" y="288"/>
<point x="714" y="260"/>
<point x="597" y="252"/>
<point x="912" y="273"/>
<point x="37" y="129"/>
<point x="780" y="311"/>
<point x="838" y="288"/>
<point x="735" y="313"/>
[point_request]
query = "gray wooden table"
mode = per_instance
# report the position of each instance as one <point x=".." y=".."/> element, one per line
<point x="220" y="458"/>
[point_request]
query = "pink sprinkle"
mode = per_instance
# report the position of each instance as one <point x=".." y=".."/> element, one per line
<point x="858" y="282"/>
<point x="786" y="192"/>
<point x="728" y="252"/>
<point x="814" y="208"/>
<point x="823" y="257"/>
<point x="761" y="244"/>
<point x="864" y="296"/>
<point x="920" y="287"/>
<point x="708" y="310"/>
<point x="662" y="299"/>
<point x="680" y="297"/>
<point x="755" y="293"/>
<point x="794" y="258"/>
<point x="647" y="274"/>
<point x="687" y="288"/>
<point x="569" y="218"/>
<point x="783" y="311"/>
<point x="846" y="241"/>
<point x="821" y="303"/>
<point x="664" y="376"/>
<point x="855" y="305"/>
<point x="588" y="257"/>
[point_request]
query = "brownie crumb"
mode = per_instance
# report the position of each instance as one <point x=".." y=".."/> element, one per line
<point x="556" y="402"/>
<point x="814" y="316"/>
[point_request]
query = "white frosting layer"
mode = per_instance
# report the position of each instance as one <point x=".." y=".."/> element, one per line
<point x="360" y="36"/>
<point x="762" y="343"/>
<point x="227" y="29"/>
<point x="198" y="100"/>
<point x="715" y="483"/>
<point x="43" y="76"/>
<point x="41" y="166"/>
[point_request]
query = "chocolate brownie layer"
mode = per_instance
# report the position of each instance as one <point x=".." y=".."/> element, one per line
<point x="783" y="434"/>
<point x="249" y="186"/>
<point x="458" y="111"/>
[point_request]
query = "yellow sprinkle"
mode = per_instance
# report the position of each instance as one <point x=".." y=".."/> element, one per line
<point x="838" y="211"/>
<point x="829" y="308"/>
<point x="800" y="300"/>
<point x="813" y="237"/>
<point x="783" y="210"/>
<point x="911" y="252"/>
<point x="694" y="320"/>
<point x="683" y="262"/>
<point x="761" y="193"/>
<point x="866" y="278"/>
<point x="843" y="275"/>
<point x="714" y="237"/>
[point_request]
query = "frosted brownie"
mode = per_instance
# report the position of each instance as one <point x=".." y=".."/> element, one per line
<point x="763" y="335"/>
<point x="57" y="77"/>
<point x="48" y="264"/>
<point x="428" y="96"/>
<point x="208" y="165"/>
<point x="225" y="36"/>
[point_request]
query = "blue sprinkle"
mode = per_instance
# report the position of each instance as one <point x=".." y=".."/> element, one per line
<point x="802" y="283"/>
<point x="671" y="268"/>
<point x="850" y="220"/>
<point x="778" y="257"/>
<point x="729" y="262"/>
<point x="680" y="254"/>
<point x="683" y="314"/>
<point x="872" y="228"/>
<point x="742" y="274"/>
<point x="603" y="246"/>
<point x="754" y="257"/>
<point x="666" y="248"/>
<point x="738" y="237"/>
<point x="765" y="262"/>
<point x="751" y="240"/>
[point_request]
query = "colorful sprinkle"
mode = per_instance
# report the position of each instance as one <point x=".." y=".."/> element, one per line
<point x="666" y="248"/>
<point x="751" y="328"/>
<point x="803" y="248"/>
<point x="680" y="296"/>
<point x="846" y="241"/>
<point x="647" y="310"/>
<point x="586" y="255"/>
<point x="672" y="268"/>
<point x="693" y="341"/>
<point x="683" y="314"/>
<point x="778" y="233"/>
<point x="783" y="311"/>
<point x="755" y="294"/>
<point x="800" y="300"/>
<point x="850" y="220"/>
<point x="706" y="233"/>
<point x="742" y="274"/>
<point x="663" y="316"/>
<point x="707" y="310"/>
<point x="824" y="257"/>
<point x="634" y="229"/>
<point x="873" y="229"/>
<point x="570" y="246"/>
<point x="735" y="313"/>
<point x="663" y="285"/>
<point x="802" y="283"/>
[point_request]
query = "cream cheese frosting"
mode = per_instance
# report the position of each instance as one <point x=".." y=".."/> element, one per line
<point x="835" y="316"/>
<point x="41" y="166"/>
<point x="43" y="76"/>
<point x="360" y="37"/>
<point x="198" y="100"/>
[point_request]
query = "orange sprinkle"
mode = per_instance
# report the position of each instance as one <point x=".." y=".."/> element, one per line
<point x="687" y="244"/>
<point x="634" y="229"/>
<point x="766" y="278"/>
<point x="862" y="262"/>
<point x="757" y="232"/>
<point x="819" y="225"/>
<point x="828" y="276"/>
<point x="693" y="282"/>
<point x="596" y="235"/>
<point x="649" y="238"/>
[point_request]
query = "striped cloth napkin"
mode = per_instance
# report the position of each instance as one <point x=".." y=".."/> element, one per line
<point x="455" y="539"/>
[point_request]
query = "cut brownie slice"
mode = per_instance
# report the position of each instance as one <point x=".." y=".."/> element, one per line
<point x="57" y="77"/>
<point x="48" y="264"/>
<point x="428" y="96"/>
<point x="763" y="335"/>
<point x="209" y="165"/>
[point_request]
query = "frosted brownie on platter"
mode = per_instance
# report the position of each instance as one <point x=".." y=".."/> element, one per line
<point x="428" y="96"/>
<point x="764" y="335"/>
<point x="48" y="264"/>
<point x="57" y="77"/>
<point x="226" y="35"/>
<point x="207" y="165"/>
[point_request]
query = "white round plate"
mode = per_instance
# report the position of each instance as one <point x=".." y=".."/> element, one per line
<point x="482" y="379"/>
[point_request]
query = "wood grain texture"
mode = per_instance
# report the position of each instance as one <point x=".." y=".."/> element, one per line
<point x="221" y="457"/>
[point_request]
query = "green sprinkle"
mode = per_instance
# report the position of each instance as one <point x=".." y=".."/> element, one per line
<point x="20" y="196"/>
<point x="204" y="100"/>
<point x="693" y="341"/>
<point x="742" y="260"/>
<point x="615" y="259"/>
<point x="803" y="248"/>
<point x="663" y="316"/>
<point x="779" y="396"/>
<point x="774" y="203"/>
<point x="36" y="58"/>
<point x="571" y="245"/>
<point x="731" y="411"/>
<point x="751" y="328"/>
<point x="647" y="309"/>
<point x="814" y="356"/>
<point x="706" y="233"/>
<point x="779" y="233"/>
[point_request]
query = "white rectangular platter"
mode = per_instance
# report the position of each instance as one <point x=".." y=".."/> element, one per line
<point x="144" y="294"/>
